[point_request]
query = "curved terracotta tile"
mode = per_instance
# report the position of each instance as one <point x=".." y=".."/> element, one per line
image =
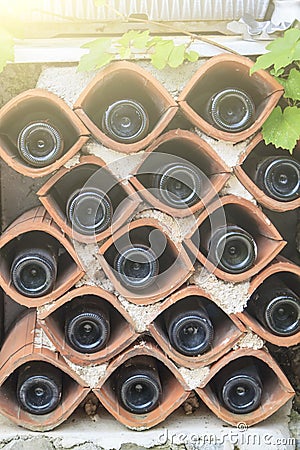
<point x="267" y="91"/>
<point x="108" y="81"/>
<point x="20" y="348"/>
<point x="253" y="188"/>
<point x="269" y="241"/>
<point x="281" y="265"/>
<point x="2" y="316"/>
<point x="51" y="203"/>
<point x="174" y="389"/>
<point x="122" y="328"/>
<point x="191" y="148"/>
<point x="38" y="220"/>
<point x="37" y="104"/>
<point x="276" y="392"/>
<point x="164" y="283"/>
<point x="227" y="331"/>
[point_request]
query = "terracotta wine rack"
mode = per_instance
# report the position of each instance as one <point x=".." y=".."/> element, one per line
<point x="258" y="148"/>
<point x="185" y="146"/>
<point x="20" y="348"/>
<point x="122" y="328"/>
<point x="89" y="171"/>
<point x="227" y="330"/>
<point x="174" y="388"/>
<point x="32" y="318"/>
<point x="269" y="241"/>
<point x="283" y="268"/>
<point x="166" y="282"/>
<point x="109" y="86"/>
<point x="32" y="105"/>
<point x="228" y="70"/>
<point x="276" y="390"/>
<point x="33" y="221"/>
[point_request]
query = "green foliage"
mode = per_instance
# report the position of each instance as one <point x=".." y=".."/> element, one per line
<point x="291" y="84"/>
<point x="163" y="52"/>
<point x="132" y="40"/>
<point x="283" y="51"/>
<point x="98" y="56"/>
<point x="7" y="48"/>
<point x="191" y="56"/>
<point x="282" y="128"/>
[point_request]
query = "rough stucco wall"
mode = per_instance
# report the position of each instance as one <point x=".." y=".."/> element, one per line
<point x="17" y="78"/>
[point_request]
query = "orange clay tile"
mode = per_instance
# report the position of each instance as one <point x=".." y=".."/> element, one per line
<point x="2" y="316"/>
<point x="226" y="333"/>
<point x="38" y="220"/>
<point x="280" y="266"/>
<point x="20" y="348"/>
<point x="39" y="104"/>
<point x="174" y="389"/>
<point x="251" y="186"/>
<point x="269" y="241"/>
<point x="48" y="199"/>
<point x="113" y="83"/>
<point x="193" y="149"/>
<point x="164" y="283"/>
<point x="276" y="391"/>
<point x="122" y="329"/>
<point x="266" y="92"/>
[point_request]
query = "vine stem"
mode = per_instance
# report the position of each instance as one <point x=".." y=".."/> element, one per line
<point x="193" y="36"/>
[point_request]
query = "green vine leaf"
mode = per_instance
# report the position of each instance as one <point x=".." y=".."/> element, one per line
<point x="277" y="73"/>
<point x="176" y="56"/>
<point x="167" y="53"/>
<point x="98" y="56"/>
<point x="154" y="40"/>
<point x="132" y="40"/>
<point x="162" y="51"/>
<point x="140" y="40"/>
<point x="282" y="128"/>
<point x="191" y="56"/>
<point x="291" y="85"/>
<point x="125" y="52"/>
<point x="282" y="52"/>
<point x="7" y="48"/>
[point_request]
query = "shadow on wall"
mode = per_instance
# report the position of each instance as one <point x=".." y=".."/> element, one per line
<point x="18" y="78"/>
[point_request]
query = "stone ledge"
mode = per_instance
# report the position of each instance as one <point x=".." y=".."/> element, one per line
<point x="200" y="430"/>
<point x="61" y="50"/>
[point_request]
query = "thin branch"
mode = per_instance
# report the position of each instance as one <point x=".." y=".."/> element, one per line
<point x="193" y="36"/>
<point x="109" y="7"/>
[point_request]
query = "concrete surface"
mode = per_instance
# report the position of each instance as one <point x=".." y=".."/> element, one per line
<point x="200" y="430"/>
<point x="69" y="49"/>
